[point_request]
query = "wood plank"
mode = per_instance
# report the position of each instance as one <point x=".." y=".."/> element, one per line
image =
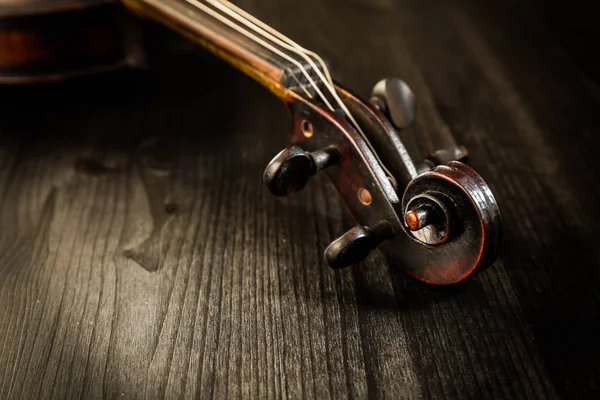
<point x="141" y="255"/>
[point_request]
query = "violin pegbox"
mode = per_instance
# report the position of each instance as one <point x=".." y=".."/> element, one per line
<point x="325" y="141"/>
<point x="436" y="220"/>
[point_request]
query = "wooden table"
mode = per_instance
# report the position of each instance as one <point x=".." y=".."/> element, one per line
<point x="141" y="255"/>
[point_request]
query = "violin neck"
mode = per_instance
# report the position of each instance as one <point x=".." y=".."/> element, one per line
<point x="230" y="36"/>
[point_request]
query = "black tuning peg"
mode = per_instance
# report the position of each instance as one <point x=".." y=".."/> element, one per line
<point x="356" y="244"/>
<point x="291" y="169"/>
<point x="442" y="157"/>
<point x="395" y="99"/>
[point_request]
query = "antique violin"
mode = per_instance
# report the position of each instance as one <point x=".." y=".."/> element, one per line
<point x="437" y="219"/>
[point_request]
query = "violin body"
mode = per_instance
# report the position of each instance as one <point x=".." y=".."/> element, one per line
<point x="437" y="219"/>
<point x="45" y="40"/>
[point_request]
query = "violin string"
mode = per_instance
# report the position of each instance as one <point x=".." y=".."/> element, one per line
<point x="259" y="41"/>
<point x="275" y="36"/>
<point x="280" y="64"/>
<point x="279" y="38"/>
<point x="271" y="34"/>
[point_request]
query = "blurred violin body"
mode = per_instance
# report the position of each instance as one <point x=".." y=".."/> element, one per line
<point x="436" y="219"/>
<point x="49" y="40"/>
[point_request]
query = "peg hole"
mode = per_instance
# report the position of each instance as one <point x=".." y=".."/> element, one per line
<point x="307" y="129"/>
<point x="364" y="196"/>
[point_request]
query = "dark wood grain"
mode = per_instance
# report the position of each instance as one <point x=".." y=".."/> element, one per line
<point x="142" y="257"/>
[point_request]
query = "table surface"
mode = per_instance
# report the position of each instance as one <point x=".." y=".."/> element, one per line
<point x="141" y="255"/>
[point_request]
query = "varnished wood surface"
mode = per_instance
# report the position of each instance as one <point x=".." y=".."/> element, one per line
<point x="142" y="257"/>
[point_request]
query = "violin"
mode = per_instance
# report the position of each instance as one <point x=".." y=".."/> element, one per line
<point x="436" y="219"/>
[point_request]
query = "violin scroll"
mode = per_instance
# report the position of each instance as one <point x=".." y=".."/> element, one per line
<point x="437" y="219"/>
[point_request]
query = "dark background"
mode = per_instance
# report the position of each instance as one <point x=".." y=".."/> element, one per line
<point x="141" y="255"/>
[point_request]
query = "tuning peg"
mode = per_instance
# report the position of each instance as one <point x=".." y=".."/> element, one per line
<point x="356" y="244"/>
<point x="442" y="157"/>
<point x="290" y="170"/>
<point x="394" y="98"/>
